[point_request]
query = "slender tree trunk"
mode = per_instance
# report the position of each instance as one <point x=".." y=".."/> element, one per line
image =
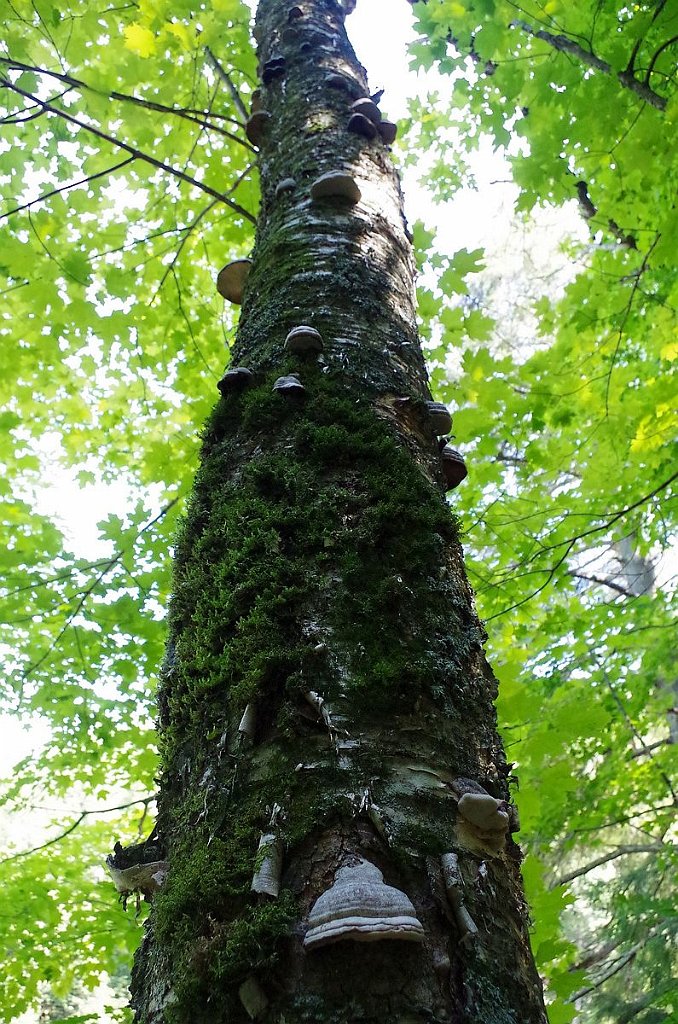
<point x="319" y="587"/>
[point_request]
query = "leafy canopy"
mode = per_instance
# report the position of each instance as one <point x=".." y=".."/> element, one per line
<point x="569" y="509"/>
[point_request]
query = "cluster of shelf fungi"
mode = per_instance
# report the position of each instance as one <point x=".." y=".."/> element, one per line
<point x="305" y="341"/>
<point x="365" y="119"/>
<point x="359" y="905"/>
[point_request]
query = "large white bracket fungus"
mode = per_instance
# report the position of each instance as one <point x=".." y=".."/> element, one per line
<point x="360" y="907"/>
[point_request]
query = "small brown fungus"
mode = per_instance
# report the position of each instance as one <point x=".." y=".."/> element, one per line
<point x="273" y="68"/>
<point x="454" y="467"/>
<point x="337" y="82"/>
<point x="439" y="417"/>
<point x="361" y="125"/>
<point x="303" y="340"/>
<point x="361" y="907"/>
<point x="256" y="104"/>
<point x="483" y="811"/>
<point x="368" y="108"/>
<point x="232" y="279"/>
<point x="294" y="14"/>
<point x="388" y="131"/>
<point x="289" y="386"/>
<point x="286" y="185"/>
<point x="257" y="126"/>
<point x="235" y="379"/>
<point x="336" y="185"/>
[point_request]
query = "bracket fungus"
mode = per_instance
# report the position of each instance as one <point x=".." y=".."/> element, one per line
<point x="335" y="81"/>
<point x="289" y="386"/>
<point x="142" y="878"/>
<point x="286" y="185"/>
<point x="303" y="340"/>
<point x="235" y="379"/>
<point x="368" y="108"/>
<point x="336" y="185"/>
<point x="454" y="467"/>
<point x="294" y="13"/>
<point x="483" y="811"/>
<point x="257" y="126"/>
<point x="439" y="417"/>
<point x="266" y="879"/>
<point x="273" y="68"/>
<point x="232" y="279"/>
<point x="359" y="906"/>
<point x="388" y="131"/>
<point x="361" y="125"/>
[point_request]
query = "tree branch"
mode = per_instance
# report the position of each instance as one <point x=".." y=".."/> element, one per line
<point x="566" y="45"/>
<point x="603" y="582"/>
<point x="137" y="153"/>
<point x="188" y="113"/>
<point x="620" y="851"/>
<point x="655" y="55"/>
<point x="72" y="827"/>
<point x="107" y="566"/>
<point x="65" y="188"/>
<point x="223" y="74"/>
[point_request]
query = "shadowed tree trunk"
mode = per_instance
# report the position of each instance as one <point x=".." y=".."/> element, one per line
<point x="325" y="702"/>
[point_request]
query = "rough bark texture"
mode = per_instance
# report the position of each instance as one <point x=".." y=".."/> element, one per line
<point x="319" y="555"/>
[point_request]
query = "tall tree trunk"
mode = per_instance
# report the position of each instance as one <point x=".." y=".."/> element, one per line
<point x="319" y="587"/>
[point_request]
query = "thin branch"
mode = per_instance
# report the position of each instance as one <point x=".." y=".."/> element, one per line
<point x="223" y="74"/>
<point x="71" y="828"/>
<point x="649" y="747"/>
<point x="187" y="113"/>
<point x="655" y="55"/>
<point x="566" y="45"/>
<point x="627" y="311"/>
<point x="66" y="188"/>
<point x="610" y="521"/>
<point x="108" y="565"/>
<point x="603" y="582"/>
<point x="620" y="851"/>
<point x="146" y="157"/>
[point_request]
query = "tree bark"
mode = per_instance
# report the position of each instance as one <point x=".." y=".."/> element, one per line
<point x="319" y="585"/>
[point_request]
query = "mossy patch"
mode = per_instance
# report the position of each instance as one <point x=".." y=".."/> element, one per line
<point x="310" y="521"/>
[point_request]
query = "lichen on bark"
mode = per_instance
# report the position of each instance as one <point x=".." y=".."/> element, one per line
<point x="319" y="582"/>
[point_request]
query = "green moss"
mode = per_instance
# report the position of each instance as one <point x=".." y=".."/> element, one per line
<point x="302" y="514"/>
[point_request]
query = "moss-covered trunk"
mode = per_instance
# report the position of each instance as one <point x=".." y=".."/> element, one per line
<point x="320" y="592"/>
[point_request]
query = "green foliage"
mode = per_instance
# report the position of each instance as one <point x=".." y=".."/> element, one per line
<point x="570" y="531"/>
<point x="112" y="339"/>
<point x="109" y="355"/>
